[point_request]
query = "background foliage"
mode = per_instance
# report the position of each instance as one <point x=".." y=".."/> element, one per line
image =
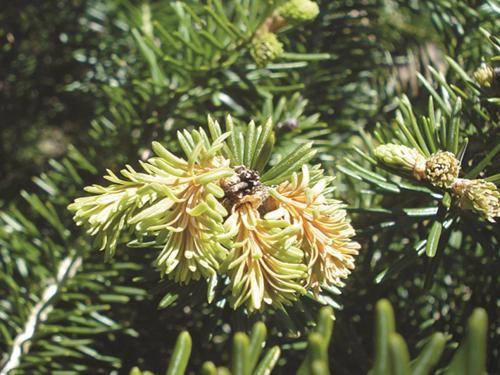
<point x="87" y="85"/>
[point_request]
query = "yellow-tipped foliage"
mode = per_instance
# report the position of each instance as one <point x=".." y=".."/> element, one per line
<point x="325" y="235"/>
<point x="174" y="200"/>
<point x="213" y="216"/>
<point x="265" y="266"/>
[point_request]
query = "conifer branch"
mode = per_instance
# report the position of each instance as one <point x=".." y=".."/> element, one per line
<point x="39" y="313"/>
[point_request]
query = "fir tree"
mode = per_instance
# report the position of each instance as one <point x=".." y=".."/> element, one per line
<point x="255" y="174"/>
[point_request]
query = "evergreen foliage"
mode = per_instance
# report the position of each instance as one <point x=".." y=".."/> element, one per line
<point x="390" y="106"/>
<point x="391" y="353"/>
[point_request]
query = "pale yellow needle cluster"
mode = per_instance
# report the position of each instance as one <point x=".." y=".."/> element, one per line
<point x="174" y="201"/>
<point x="264" y="265"/>
<point x="191" y="250"/>
<point x="325" y="235"/>
<point x="217" y="221"/>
